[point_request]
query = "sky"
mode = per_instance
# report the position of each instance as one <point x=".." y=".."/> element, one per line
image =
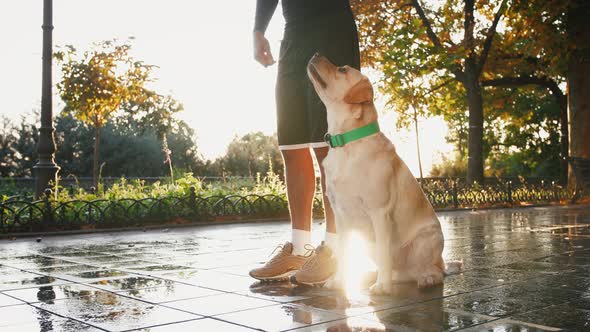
<point x="203" y="50"/>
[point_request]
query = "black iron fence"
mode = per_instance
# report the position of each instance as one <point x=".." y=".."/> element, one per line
<point x="20" y="214"/>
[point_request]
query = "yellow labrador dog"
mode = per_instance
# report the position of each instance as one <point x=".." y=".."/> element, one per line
<point x="371" y="188"/>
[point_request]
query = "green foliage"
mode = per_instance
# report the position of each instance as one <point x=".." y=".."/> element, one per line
<point x="251" y="154"/>
<point x="429" y="61"/>
<point x="18" y="146"/>
<point x="450" y="167"/>
<point x="523" y="138"/>
<point x="138" y="189"/>
<point x="97" y="83"/>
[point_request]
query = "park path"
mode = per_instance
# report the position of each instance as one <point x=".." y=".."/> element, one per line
<point x="526" y="269"/>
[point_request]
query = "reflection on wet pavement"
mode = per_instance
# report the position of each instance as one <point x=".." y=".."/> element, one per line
<point x="524" y="270"/>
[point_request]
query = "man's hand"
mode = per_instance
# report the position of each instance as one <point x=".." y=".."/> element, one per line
<point x="262" y="52"/>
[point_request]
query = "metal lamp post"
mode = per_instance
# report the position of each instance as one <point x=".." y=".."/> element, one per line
<point x="46" y="169"/>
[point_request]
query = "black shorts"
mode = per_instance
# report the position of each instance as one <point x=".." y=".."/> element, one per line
<point x="301" y="116"/>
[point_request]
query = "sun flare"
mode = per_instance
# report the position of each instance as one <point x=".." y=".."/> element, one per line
<point x="358" y="265"/>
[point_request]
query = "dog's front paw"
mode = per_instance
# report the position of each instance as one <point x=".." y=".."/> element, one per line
<point x="430" y="280"/>
<point x="380" y="288"/>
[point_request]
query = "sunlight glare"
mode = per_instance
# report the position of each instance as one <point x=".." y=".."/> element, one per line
<point x="359" y="264"/>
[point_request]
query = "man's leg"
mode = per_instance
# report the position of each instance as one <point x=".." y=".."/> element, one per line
<point x="331" y="238"/>
<point x="300" y="180"/>
<point x="321" y="266"/>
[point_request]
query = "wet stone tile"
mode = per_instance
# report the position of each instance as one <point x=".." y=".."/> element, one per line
<point x="51" y="293"/>
<point x="151" y="268"/>
<point x="284" y="317"/>
<point x="35" y="262"/>
<point x="27" y="280"/>
<point x="102" y="259"/>
<point x="115" y="313"/>
<point x="466" y="282"/>
<point x="497" y="303"/>
<point x="127" y="264"/>
<point x="509" y="269"/>
<point x="509" y="325"/>
<point x="209" y="279"/>
<point x="219" y="304"/>
<point x="563" y="316"/>
<point x="240" y="270"/>
<point x="100" y="274"/>
<point x="4" y="270"/>
<point x="569" y="281"/>
<point x="567" y="260"/>
<point x="535" y="290"/>
<point x="24" y="318"/>
<point x="8" y="301"/>
<point x="64" y="270"/>
<point x="345" y="306"/>
<point x="128" y="283"/>
<point x="78" y="254"/>
<point x="277" y="291"/>
<point x="428" y="316"/>
<point x="580" y="250"/>
<point x="353" y="324"/>
<point x="500" y="274"/>
<point x="582" y="302"/>
<point x="540" y="267"/>
<point x="173" y="291"/>
<point x="52" y="323"/>
<point x="362" y="302"/>
<point x="204" y="324"/>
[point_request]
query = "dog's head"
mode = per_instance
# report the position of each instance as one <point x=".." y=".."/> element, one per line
<point x="339" y="88"/>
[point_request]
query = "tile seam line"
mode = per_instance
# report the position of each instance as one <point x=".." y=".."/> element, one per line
<point x="62" y="316"/>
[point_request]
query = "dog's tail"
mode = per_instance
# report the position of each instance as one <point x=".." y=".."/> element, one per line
<point x="453" y="267"/>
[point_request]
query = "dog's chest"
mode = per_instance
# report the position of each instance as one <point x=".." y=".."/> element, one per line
<point x="343" y="175"/>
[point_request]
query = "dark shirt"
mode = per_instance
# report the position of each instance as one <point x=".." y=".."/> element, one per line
<point x="296" y="12"/>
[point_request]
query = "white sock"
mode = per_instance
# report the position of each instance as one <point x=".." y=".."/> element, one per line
<point x="299" y="239"/>
<point x="331" y="240"/>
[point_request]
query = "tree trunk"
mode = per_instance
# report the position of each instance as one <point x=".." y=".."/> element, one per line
<point x="418" y="142"/>
<point x="95" y="161"/>
<point x="563" y="139"/>
<point x="578" y="79"/>
<point x="475" y="144"/>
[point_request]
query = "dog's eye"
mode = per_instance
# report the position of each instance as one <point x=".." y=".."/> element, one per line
<point x="342" y="69"/>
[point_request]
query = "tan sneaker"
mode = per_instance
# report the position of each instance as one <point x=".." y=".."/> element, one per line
<point x="281" y="266"/>
<point x="317" y="269"/>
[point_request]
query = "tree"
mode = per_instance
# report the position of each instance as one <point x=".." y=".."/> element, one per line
<point x="157" y="113"/>
<point x="578" y="73"/>
<point x="530" y="49"/>
<point x="129" y="148"/>
<point x="450" y="47"/>
<point x="96" y="84"/>
<point x="523" y="135"/>
<point x="250" y="154"/>
<point x="8" y="153"/>
<point x="533" y="51"/>
<point x="18" y="144"/>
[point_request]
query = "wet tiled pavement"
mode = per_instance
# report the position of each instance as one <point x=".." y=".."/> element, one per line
<point x="524" y="270"/>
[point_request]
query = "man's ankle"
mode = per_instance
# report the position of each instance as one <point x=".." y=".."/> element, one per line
<point x="300" y="239"/>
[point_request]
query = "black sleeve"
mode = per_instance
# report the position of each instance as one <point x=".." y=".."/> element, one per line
<point x="264" y="11"/>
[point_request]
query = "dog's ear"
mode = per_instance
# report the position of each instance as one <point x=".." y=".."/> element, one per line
<point x="360" y="93"/>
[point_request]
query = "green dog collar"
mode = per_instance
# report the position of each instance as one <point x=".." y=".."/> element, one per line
<point x="342" y="139"/>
